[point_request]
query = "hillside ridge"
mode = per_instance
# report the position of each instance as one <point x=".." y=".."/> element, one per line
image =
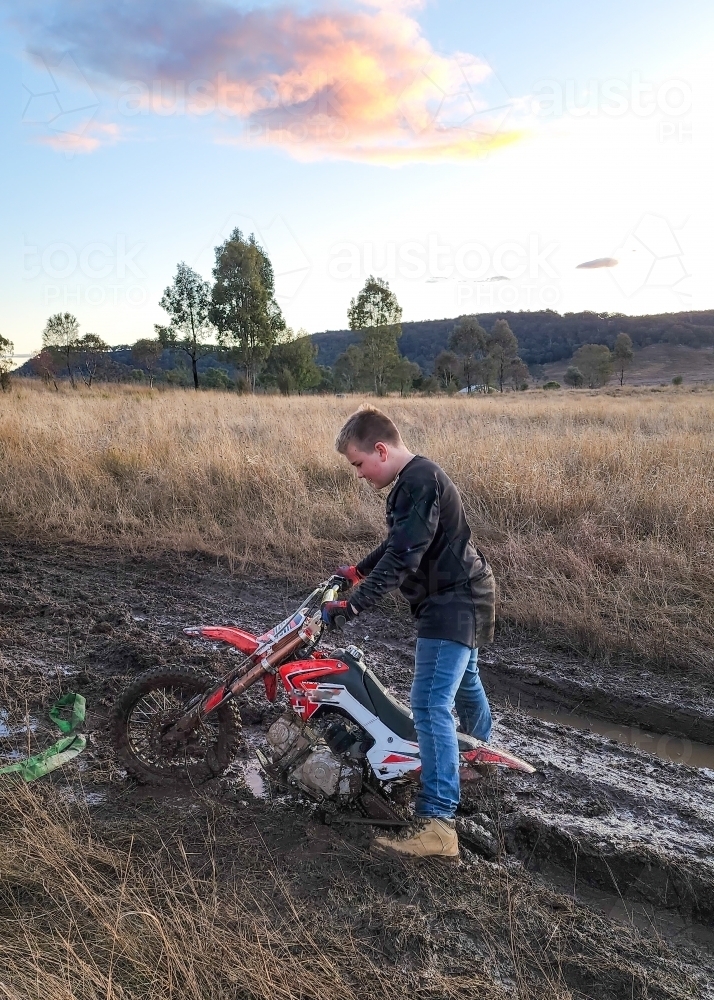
<point x="543" y="337"/>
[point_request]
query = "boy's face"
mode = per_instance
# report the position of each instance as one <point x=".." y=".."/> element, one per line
<point x="376" y="466"/>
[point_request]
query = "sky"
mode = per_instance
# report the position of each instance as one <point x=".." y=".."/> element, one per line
<point x="474" y="155"/>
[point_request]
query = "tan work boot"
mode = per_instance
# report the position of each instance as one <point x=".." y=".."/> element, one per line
<point x="427" y="838"/>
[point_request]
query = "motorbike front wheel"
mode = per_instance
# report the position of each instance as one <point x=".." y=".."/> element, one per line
<point x="151" y="704"/>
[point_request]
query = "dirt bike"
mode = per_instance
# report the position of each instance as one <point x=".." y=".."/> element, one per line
<point x="345" y="741"/>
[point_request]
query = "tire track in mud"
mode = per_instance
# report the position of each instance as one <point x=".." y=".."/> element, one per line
<point x="618" y="829"/>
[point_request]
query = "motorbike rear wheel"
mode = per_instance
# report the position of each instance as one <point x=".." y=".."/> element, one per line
<point x="149" y="706"/>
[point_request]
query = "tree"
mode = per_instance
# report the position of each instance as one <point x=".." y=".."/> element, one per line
<point x="573" y="377"/>
<point x="468" y="341"/>
<point x="178" y="376"/>
<point x="60" y="337"/>
<point x="517" y="372"/>
<point x="430" y="385"/>
<point x="187" y="301"/>
<point x="90" y="349"/>
<point x="447" y="369"/>
<point x="243" y="306"/>
<point x="44" y="364"/>
<point x="147" y="353"/>
<point x="375" y="306"/>
<point x="327" y="380"/>
<point x="502" y="348"/>
<point x="622" y="355"/>
<point x="595" y="363"/>
<point x="380" y="356"/>
<point x="291" y="365"/>
<point x="7" y="349"/>
<point x="404" y="373"/>
<point x="216" y="378"/>
<point x="348" y="367"/>
<point x="377" y="315"/>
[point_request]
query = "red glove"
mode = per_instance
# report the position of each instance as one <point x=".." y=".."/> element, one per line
<point x="349" y="573"/>
<point x="334" y="610"/>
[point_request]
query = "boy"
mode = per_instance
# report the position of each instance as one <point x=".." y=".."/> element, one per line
<point x="429" y="556"/>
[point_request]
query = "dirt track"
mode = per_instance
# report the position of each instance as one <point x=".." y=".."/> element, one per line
<point x="608" y="846"/>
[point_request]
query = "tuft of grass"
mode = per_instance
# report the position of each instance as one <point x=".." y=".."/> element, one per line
<point x="594" y="509"/>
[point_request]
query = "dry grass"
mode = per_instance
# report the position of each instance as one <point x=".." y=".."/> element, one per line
<point x="595" y="509"/>
<point x="197" y="909"/>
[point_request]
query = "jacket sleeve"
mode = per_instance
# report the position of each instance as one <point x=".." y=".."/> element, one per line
<point x="414" y="520"/>
<point x="366" y="566"/>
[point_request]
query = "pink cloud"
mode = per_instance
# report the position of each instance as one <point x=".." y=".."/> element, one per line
<point x="95" y="135"/>
<point x="356" y="81"/>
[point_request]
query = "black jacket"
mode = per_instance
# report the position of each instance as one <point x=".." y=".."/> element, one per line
<point x="430" y="557"/>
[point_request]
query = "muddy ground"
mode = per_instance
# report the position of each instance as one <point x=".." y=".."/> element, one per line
<point x="602" y="861"/>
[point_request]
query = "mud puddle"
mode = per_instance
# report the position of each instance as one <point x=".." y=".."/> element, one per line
<point x="254" y="779"/>
<point x="675" y="749"/>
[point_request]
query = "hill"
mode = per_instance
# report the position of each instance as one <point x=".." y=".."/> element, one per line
<point x="544" y="337"/>
<point x="657" y="364"/>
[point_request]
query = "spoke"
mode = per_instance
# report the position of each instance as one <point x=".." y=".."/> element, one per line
<point x="156" y="711"/>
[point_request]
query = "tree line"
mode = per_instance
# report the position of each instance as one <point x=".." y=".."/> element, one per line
<point x="230" y="333"/>
<point x="544" y="336"/>
<point x="474" y="359"/>
<point x="236" y="321"/>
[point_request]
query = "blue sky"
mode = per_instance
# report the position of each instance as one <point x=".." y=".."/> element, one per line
<point x="472" y="154"/>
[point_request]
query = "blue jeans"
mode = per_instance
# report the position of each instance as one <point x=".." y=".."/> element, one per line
<point x="445" y="675"/>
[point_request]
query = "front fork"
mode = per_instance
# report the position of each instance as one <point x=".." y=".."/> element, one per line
<point x="234" y="686"/>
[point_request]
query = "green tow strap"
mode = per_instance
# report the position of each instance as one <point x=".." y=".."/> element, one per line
<point x="63" y="750"/>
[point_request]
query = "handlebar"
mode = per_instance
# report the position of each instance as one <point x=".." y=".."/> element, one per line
<point x="331" y="593"/>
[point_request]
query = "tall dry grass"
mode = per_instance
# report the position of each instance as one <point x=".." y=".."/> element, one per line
<point x="595" y="509"/>
<point x="198" y="908"/>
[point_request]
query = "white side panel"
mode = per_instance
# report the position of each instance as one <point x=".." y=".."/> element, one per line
<point x="386" y="743"/>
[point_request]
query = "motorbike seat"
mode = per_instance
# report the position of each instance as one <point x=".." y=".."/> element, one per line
<point x="392" y="712"/>
<point x="353" y="680"/>
<point x="369" y="691"/>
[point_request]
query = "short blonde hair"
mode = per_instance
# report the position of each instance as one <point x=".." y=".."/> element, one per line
<point x="365" y="428"/>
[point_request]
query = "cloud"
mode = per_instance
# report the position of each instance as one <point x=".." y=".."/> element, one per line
<point x="356" y="80"/>
<point x="600" y="262"/>
<point x="93" y="136"/>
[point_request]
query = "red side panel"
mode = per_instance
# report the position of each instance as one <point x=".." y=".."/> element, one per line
<point x="271" y="686"/>
<point x="244" y="641"/>
<point x="293" y="674"/>
<point x="492" y="755"/>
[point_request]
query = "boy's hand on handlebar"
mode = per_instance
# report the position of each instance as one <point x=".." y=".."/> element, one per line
<point x="349" y="573"/>
<point x="335" y="614"/>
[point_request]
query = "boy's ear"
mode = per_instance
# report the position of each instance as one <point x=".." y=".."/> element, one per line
<point x="382" y="450"/>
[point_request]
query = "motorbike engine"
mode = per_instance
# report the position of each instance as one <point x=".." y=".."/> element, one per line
<point x="308" y="763"/>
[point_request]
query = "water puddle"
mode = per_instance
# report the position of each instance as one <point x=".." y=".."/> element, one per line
<point x="675" y="749"/>
<point x="254" y="778"/>
<point x="7" y="729"/>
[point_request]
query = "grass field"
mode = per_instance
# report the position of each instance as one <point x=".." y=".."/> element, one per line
<point x="594" y="509"/>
